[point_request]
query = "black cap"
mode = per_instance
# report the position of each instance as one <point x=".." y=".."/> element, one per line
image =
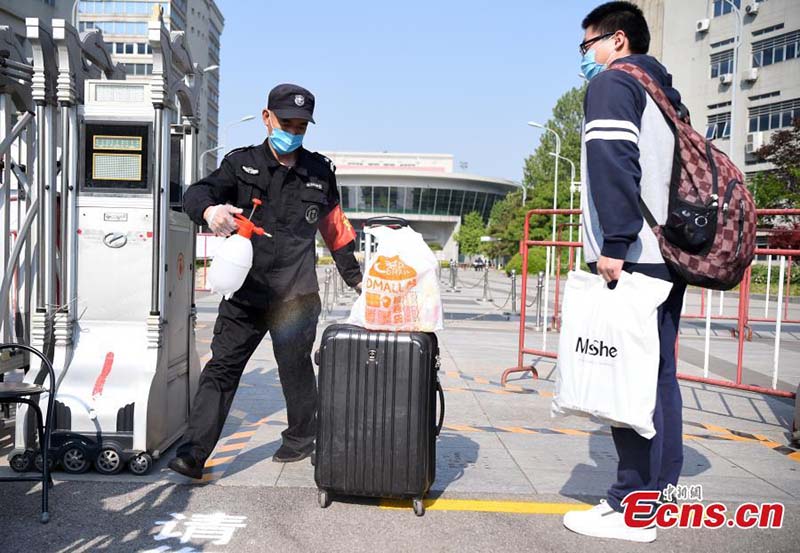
<point x="289" y="101"/>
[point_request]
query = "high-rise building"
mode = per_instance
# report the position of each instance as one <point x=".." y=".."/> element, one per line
<point x="204" y="24"/>
<point x="14" y="12"/>
<point x="696" y="40"/>
<point x="124" y="26"/>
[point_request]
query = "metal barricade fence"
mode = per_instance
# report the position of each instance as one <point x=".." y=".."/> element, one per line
<point x="783" y="310"/>
<point x="203" y="253"/>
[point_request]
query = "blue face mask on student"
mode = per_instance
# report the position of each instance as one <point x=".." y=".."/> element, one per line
<point x="285" y="142"/>
<point x="589" y="67"/>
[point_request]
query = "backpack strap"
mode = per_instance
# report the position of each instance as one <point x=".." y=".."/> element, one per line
<point x="651" y="86"/>
<point x="667" y="109"/>
<point x="647" y="214"/>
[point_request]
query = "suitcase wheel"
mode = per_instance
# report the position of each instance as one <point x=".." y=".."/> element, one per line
<point x="323" y="498"/>
<point x="419" y="507"/>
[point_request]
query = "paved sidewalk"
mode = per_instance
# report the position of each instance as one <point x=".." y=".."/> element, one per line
<point x="498" y="444"/>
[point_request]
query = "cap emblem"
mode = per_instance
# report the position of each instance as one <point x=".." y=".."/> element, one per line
<point x="299" y="101"/>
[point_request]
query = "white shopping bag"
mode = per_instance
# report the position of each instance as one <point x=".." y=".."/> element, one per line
<point x="400" y="290"/>
<point x="608" y="351"/>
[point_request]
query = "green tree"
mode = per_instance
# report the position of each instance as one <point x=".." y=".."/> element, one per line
<point x="779" y="188"/>
<point x="507" y="217"/>
<point x="540" y="166"/>
<point x="469" y="236"/>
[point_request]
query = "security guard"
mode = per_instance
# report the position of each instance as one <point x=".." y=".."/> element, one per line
<point x="280" y="294"/>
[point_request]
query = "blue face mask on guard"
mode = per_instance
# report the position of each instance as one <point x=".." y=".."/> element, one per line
<point x="285" y="142"/>
<point x="589" y="67"/>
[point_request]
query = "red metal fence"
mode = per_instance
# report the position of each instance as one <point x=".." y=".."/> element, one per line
<point x="742" y="331"/>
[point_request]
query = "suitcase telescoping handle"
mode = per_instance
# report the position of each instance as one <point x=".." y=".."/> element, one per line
<point x="440" y="391"/>
<point x="385" y="221"/>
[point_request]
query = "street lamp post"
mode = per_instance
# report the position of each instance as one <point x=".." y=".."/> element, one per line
<point x="734" y="154"/>
<point x="229" y="125"/>
<point x="548" y="257"/>
<point x="524" y="188"/>
<point x="573" y="186"/>
<point x="203" y="155"/>
<point x="737" y="41"/>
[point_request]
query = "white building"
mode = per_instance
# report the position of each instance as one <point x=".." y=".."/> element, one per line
<point x="421" y="188"/>
<point x="695" y="40"/>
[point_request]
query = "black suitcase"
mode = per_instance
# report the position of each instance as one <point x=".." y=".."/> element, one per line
<point x="376" y="418"/>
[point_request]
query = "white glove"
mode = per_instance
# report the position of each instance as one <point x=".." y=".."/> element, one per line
<point x="220" y="219"/>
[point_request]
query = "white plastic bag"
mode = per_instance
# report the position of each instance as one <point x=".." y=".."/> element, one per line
<point x="608" y="351"/>
<point x="400" y="290"/>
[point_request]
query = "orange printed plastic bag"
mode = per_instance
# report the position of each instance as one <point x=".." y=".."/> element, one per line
<point x="400" y="290"/>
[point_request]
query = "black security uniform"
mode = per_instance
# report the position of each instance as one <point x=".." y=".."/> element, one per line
<point x="280" y="294"/>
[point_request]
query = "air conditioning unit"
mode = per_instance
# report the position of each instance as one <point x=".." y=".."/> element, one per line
<point x="755" y="140"/>
<point x="751" y="75"/>
<point x="703" y="25"/>
<point x="751" y="9"/>
<point x="726" y="78"/>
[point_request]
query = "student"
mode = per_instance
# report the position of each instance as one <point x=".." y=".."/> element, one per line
<point x="627" y="152"/>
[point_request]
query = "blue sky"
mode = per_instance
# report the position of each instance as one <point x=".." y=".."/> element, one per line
<point x="437" y="76"/>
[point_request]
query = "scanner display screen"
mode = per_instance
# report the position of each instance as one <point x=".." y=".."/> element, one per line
<point x="116" y="157"/>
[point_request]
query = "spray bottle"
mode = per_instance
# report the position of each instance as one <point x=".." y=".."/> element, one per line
<point x="234" y="258"/>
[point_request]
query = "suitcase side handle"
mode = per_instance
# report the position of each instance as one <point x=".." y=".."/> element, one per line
<point x="440" y="391"/>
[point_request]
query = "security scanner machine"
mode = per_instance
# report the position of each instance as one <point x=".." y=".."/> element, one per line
<point x="114" y="305"/>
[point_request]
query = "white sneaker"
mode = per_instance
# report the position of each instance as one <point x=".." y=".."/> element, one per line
<point x="601" y="521"/>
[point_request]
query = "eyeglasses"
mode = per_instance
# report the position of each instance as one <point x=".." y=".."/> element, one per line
<point x="584" y="46"/>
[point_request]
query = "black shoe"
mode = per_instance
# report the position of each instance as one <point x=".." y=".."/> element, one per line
<point x="286" y="454"/>
<point x="186" y="466"/>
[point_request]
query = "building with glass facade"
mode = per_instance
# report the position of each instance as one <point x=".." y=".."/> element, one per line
<point x="421" y="188"/>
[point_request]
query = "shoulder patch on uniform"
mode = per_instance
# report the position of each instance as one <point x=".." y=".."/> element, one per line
<point x="327" y="160"/>
<point x="241" y="149"/>
<point x="249" y="170"/>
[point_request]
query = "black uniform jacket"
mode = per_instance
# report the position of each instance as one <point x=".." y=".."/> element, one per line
<point x="297" y="202"/>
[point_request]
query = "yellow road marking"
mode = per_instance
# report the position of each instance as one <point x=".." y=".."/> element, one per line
<point x="461" y="428"/>
<point x="715" y="428"/>
<point x="219" y="461"/>
<point x="231" y="447"/>
<point x="519" y="507"/>
<point x="480" y="380"/>
<point x="246" y="434"/>
<point x="571" y="432"/>
<point x="517" y="430"/>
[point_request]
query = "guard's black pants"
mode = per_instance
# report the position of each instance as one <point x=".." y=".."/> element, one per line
<point x="238" y="331"/>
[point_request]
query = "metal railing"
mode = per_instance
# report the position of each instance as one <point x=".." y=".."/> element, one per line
<point x="743" y="318"/>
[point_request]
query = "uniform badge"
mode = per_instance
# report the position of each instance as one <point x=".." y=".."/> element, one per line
<point x="249" y="170"/>
<point x="299" y="101"/>
<point x="333" y="167"/>
<point x="312" y="214"/>
<point x="316" y="185"/>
